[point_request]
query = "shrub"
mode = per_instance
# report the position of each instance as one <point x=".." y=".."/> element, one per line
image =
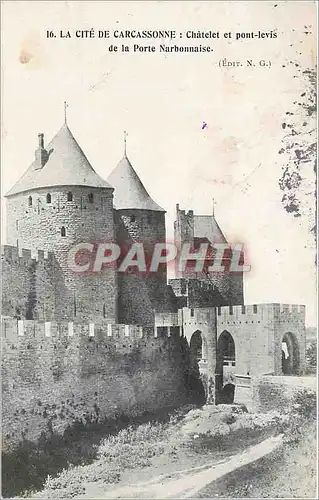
<point x="304" y="403"/>
<point x="132" y="448"/>
<point x="62" y="486"/>
<point x="311" y="354"/>
<point x="149" y="432"/>
<point x="303" y="411"/>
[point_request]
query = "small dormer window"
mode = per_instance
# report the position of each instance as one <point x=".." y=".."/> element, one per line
<point x="132" y="218"/>
<point x="30" y="201"/>
<point x="63" y="231"/>
<point x="70" y="196"/>
<point x="48" y="198"/>
<point x="91" y="197"/>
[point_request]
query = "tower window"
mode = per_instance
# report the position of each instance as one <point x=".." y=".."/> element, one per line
<point x="30" y="201"/>
<point x="91" y="197"/>
<point x="132" y="218"/>
<point x="192" y="313"/>
<point x="255" y="308"/>
<point x="63" y="231"/>
<point x="48" y="198"/>
<point x="70" y="196"/>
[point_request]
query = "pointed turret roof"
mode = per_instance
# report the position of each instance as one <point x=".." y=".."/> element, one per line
<point x="130" y="192"/>
<point x="66" y="165"/>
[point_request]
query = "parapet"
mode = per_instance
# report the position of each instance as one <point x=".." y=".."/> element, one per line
<point x="183" y="213"/>
<point x="166" y="319"/>
<point x="290" y="308"/>
<point x="14" y="329"/>
<point x="13" y="254"/>
<point x="197" y="315"/>
<point x="182" y="286"/>
<point x="259" y="312"/>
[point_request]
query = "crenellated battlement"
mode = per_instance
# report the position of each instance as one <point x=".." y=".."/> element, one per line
<point x="167" y="319"/>
<point x="56" y="374"/>
<point x="14" y="329"/>
<point x="259" y="312"/>
<point x="14" y="254"/>
<point x="181" y="285"/>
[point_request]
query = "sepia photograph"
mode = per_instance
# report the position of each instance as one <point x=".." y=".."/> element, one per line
<point x="159" y="249"/>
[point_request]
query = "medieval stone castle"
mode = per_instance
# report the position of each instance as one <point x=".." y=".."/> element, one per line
<point x="85" y="347"/>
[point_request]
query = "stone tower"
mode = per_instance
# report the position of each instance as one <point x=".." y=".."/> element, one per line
<point x="139" y="219"/>
<point x="225" y="288"/>
<point x="61" y="201"/>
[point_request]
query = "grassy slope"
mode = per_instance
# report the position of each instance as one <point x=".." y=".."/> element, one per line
<point x="196" y="437"/>
<point x="190" y="439"/>
<point x="288" y="473"/>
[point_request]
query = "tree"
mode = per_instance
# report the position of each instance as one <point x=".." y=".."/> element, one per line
<point x="298" y="179"/>
<point x="311" y="354"/>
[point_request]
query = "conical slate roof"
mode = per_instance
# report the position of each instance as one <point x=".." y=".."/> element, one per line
<point x="67" y="165"/>
<point x="130" y="192"/>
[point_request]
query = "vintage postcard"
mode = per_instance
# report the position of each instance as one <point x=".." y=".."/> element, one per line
<point x="158" y="263"/>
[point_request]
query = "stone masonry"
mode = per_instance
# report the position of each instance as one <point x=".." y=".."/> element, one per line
<point x="85" y="347"/>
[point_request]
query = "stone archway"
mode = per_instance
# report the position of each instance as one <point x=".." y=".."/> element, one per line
<point x="290" y="356"/>
<point x="198" y="366"/>
<point x="225" y="368"/>
<point x="198" y="347"/>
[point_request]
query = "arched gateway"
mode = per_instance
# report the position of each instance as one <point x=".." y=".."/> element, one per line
<point x="225" y="368"/>
<point x="198" y="347"/>
<point x="290" y="357"/>
<point x="198" y="360"/>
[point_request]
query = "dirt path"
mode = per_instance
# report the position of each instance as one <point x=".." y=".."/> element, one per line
<point x="187" y="483"/>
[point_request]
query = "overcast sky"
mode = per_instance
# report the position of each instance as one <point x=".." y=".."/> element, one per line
<point x="162" y="101"/>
